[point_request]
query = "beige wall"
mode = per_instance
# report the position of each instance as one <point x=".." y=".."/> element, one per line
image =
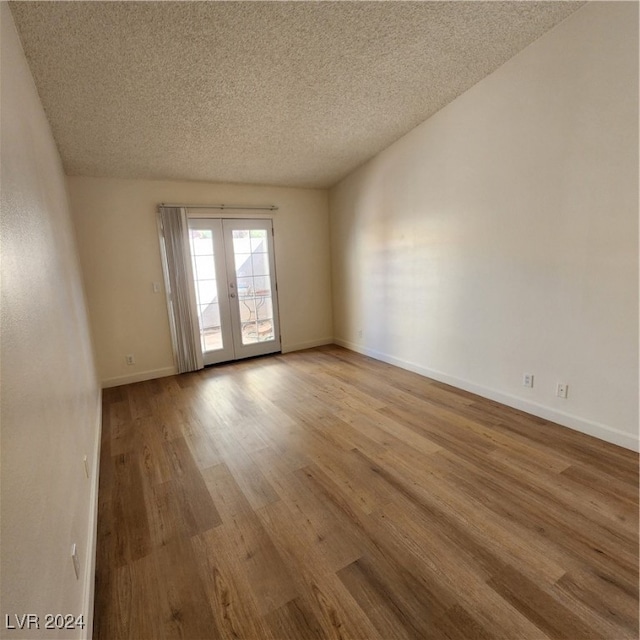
<point x="501" y="236"/>
<point x="50" y="396"/>
<point x="120" y="257"/>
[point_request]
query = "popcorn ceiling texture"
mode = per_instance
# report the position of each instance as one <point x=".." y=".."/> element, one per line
<point x="281" y="93"/>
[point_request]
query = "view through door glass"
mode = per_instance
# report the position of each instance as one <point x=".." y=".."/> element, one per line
<point x="251" y="263"/>
<point x="206" y="289"/>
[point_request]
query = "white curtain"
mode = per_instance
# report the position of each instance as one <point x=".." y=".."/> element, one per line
<point x="176" y="259"/>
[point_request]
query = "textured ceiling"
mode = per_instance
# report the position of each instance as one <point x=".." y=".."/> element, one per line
<point x="283" y="93"/>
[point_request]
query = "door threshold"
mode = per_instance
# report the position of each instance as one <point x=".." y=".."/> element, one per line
<point x="239" y="360"/>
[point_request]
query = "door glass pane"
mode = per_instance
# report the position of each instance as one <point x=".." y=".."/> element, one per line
<point x="247" y="310"/>
<point x="262" y="286"/>
<point x="205" y="267"/>
<point x="245" y="287"/>
<point x="264" y="309"/>
<point x="207" y="291"/>
<point x="211" y="335"/>
<point x="258" y="240"/>
<point x="251" y="261"/>
<point x="206" y="288"/>
<point x="201" y="242"/>
<point x="260" y="264"/>
<point x="242" y="252"/>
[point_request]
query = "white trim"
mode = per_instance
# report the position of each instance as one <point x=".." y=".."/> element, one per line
<point x="92" y="535"/>
<point x="595" y="429"/>
<point x="139" y="377"/>
<point x="286" y="348"/>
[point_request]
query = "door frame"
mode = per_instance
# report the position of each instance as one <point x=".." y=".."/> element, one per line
<point x="254" y="348"/>
<point x="234" y="351"/>
<point x="227" y="352"/>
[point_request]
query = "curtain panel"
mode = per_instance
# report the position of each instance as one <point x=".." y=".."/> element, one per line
<point x="176" y="262"/>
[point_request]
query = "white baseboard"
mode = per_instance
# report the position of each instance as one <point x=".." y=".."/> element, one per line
<point x="92" y="534"/>
<point x="306" y="345"/>
<point x="139" y="377"/>
<point x="595" y="429"/>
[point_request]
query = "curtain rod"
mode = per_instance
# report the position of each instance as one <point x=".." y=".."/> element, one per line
<point x="267" y="207"/>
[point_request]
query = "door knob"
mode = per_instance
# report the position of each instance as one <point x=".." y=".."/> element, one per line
<point x="232" y="295"/>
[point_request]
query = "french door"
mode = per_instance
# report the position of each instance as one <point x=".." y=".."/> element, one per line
<point x="234" y="288"/>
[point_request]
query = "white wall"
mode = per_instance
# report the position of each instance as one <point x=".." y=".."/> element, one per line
<point x="50" y="396"/>
<point x="120" y="257"/>
<point x="501" y="236"/>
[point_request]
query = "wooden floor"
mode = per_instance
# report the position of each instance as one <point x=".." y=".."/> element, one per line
<point x="322" y="494"/>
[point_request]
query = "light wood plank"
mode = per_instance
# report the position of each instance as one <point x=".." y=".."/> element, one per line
<point x="324" y="494"/>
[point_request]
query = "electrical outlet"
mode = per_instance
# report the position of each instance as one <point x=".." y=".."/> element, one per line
<point x="562" y="390"/>
<point x="76" y="560"/>
<point x="359" y="333"/>
<point x="527" y="380"/>
<point x="130" y="358"/>
<point x="156" y="287"/>
<point x="85" y="462"/>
